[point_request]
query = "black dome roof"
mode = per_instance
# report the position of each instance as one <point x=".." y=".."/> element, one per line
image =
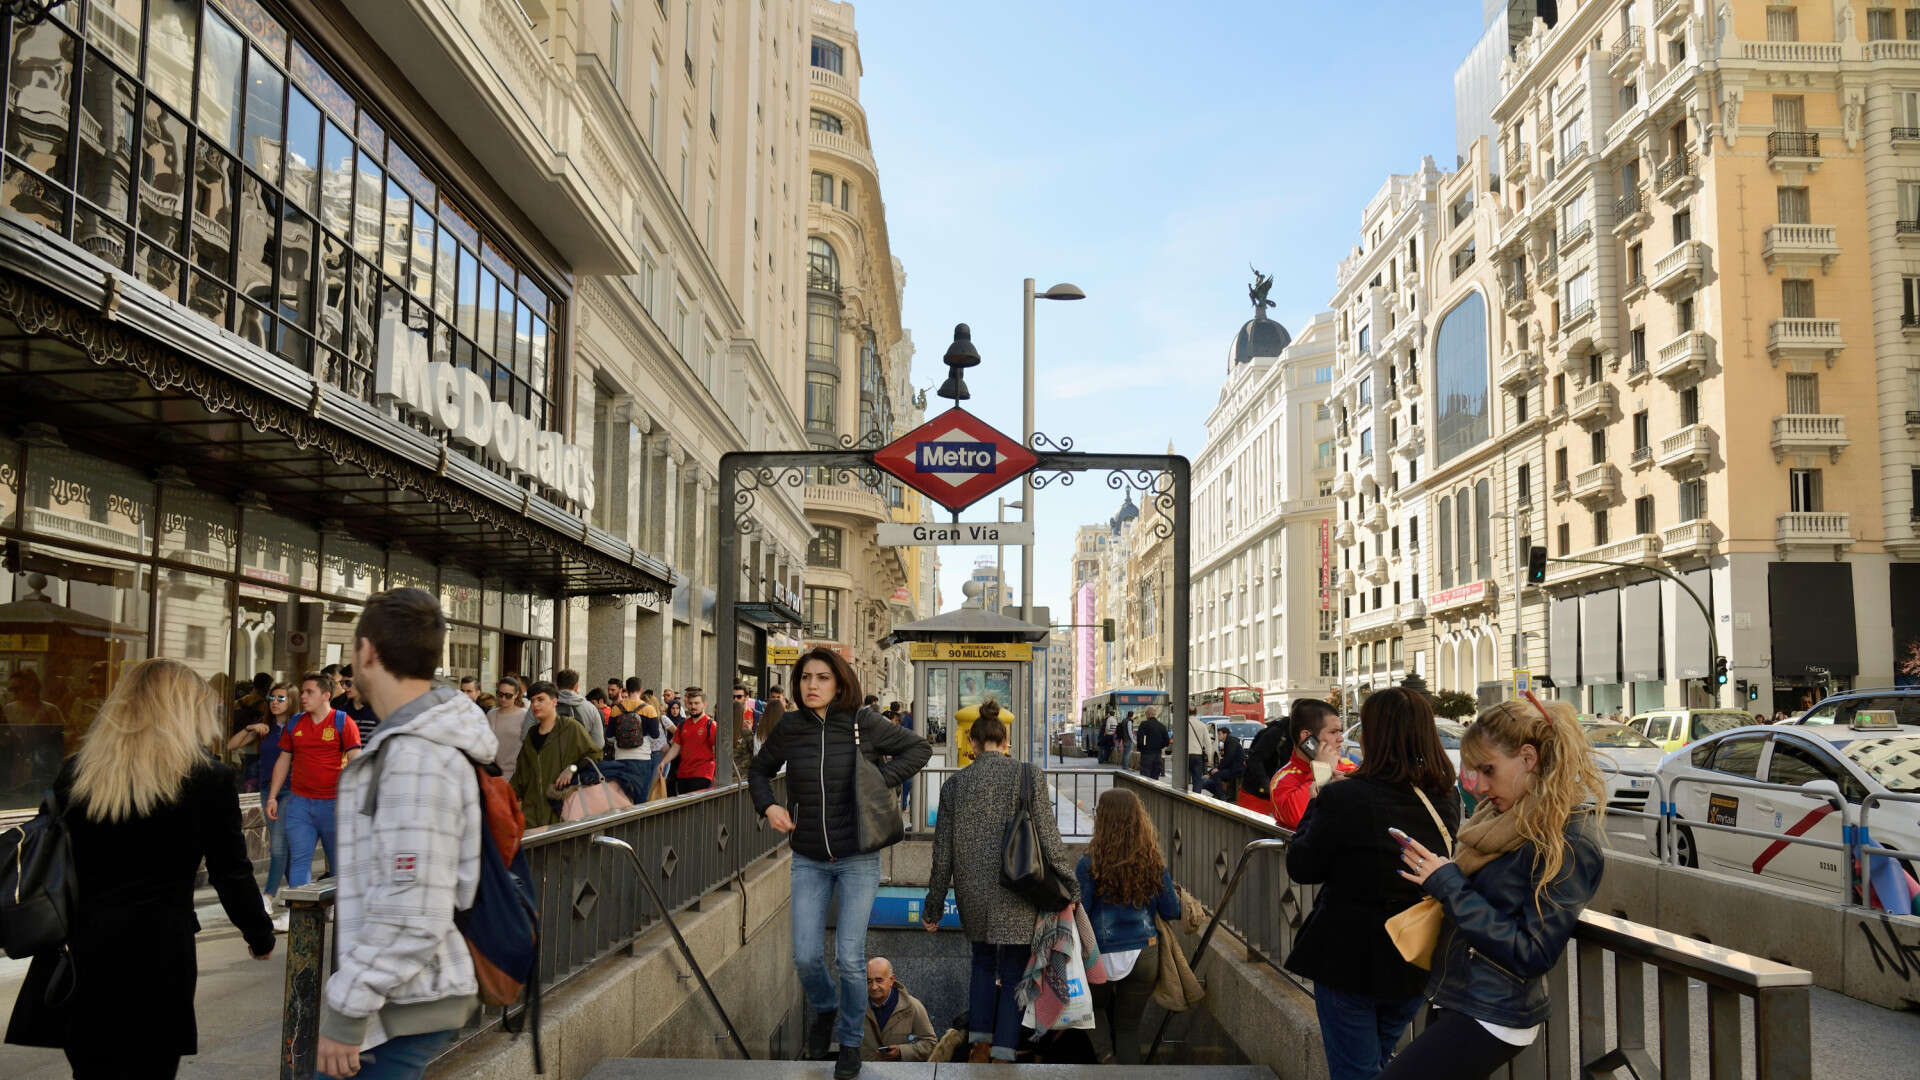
<point x="1258" y="337"/>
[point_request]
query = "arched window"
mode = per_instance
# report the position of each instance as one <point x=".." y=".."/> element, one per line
<point x="823" y="266"/>
<point x="821" y="120"/>
<point x="1445" y="518"/>
<point x="1460" y="380"/>
<point x="1463" y="523"/>
<point x="1483" y="527"/>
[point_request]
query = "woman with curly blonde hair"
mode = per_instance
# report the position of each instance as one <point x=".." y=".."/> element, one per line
<point x="1124" y="883"/>
<point x="1524" y="867"/>
<point x="145" y="802"/>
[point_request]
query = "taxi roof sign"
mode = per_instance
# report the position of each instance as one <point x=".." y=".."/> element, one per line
<point x="955" y="459"/>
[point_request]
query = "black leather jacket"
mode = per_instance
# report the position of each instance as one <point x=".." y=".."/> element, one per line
<point x="818" y="757"/>
<point x="1497" y="946"/>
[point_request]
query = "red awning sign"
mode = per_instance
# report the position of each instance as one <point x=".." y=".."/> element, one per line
<point x="955" y="459"/>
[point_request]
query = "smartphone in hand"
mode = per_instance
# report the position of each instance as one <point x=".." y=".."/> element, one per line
<point x="1310" y="746"/>
<point x="1399" y="837"/>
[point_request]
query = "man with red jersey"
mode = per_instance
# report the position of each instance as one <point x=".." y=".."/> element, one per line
<point x="313" y="749"/>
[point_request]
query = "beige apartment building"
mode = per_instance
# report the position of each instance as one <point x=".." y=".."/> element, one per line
<point x="1144" y="624"/>
<point x="1709" y="243"/>
<point x="855" y="367"/>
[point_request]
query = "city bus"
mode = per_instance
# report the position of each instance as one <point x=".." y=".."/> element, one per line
<point x="1119" y="701"/>
<point x="1239" y="702"/>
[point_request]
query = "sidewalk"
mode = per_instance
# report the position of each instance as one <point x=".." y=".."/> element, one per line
<point x="238" y="1003"/>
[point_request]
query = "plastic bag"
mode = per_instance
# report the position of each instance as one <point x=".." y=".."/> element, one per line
<point x="1078" y="1012"/>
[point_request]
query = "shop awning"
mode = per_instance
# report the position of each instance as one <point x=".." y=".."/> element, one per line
<point x="1600" y="637"/>
<point x="149" y="385"/>
<point x="1640" y="642"/>
<point x="1811" y="605"/>
<point x="769" y="613"/>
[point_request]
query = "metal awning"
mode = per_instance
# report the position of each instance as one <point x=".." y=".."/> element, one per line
<point x="111" y="386"/>
<point x="970" y="624"/>
<point x="767" y="613"/>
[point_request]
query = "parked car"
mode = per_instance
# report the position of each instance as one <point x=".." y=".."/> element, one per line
<point x="1617" y="749"/>
<point x="1672" y="729"/>
<point x="1842" y="709"/>
<point x="1450" y="733"/>
<point x="1820" y="760"/>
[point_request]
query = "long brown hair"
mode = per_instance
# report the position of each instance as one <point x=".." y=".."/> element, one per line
<point x="1565" y="777"/>
<point x="1400" y="745"/>
<point x="1125" y="850"/>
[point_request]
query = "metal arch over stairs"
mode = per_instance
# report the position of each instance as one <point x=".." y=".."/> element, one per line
<point x="1165" y="481"/>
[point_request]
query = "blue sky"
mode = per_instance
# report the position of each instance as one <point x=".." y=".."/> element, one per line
<point x="1146" y="152"/>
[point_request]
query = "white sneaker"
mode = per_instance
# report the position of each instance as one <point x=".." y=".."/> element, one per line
<point x="280" y="923"/>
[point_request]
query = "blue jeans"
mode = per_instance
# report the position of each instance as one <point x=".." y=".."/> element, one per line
<point x="307" y="820"/>
<point x="997" y="971"/>
<point x="1359" y="1031"/>
<point x="814" y="880"/>
<point x="278" y="853"/>
<point x="403" y="1057"/>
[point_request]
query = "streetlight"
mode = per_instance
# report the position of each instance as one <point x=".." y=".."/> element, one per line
<point x="1519" y="581"/>
<point x="1000" y="557"/>
<point x="1062" y="291"/>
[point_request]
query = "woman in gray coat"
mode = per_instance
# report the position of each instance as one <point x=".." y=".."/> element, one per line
<point x="976" y="805"/>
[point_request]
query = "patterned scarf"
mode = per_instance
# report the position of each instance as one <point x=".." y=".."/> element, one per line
<point x="1485" y="837"/>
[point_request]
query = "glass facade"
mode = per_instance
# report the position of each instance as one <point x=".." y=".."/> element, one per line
<point x="1460" y="379"/>
<point x="261" y="193"/>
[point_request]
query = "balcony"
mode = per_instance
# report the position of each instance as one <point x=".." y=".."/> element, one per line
<point x="1628" y="51"/>
<point x="1684" y="358"/>
<point x="1680" y="269"/>
<point x="1562" y="489"/>
<point x="1412" y="441"/>
<point x="1907" y="230"/>
<point x="848" y="499"/>
<point x="1910" y="324"/>
<point x="1688" y="450"/>
<point x="1791" y="52"/>
<point x="1623" y="128"/>
<point x="1575" y="234"/>
<point x="1518" y="367"/>
<point x="1675" y="175"/>
<point x="1642" y="457"/>
<point x="1797" y="529"/>
<point x="1793" y="153"/>
<point x="1345" y="582"/>
<point x="1575" y="316"/>
<point x="1692" y="539"/>
<point x="1519" y="299"/>
<point x="1641" y="550"/>
<point x="1376" y="518"/>
<point x="834" y="81"/>
<point x="1548" y="270"/>
<point x="1800" y="245"/>
<point x="1343" y="486"/>
<point x="1597" y="485"/>
<point x="1343" y="533"/>
<point x="1804" y="339"/>
<point x="1677" y="78"/>
<point x="1413" y="610"/>
<point x="843" y="145"/>
<point x="1375" y="571"/>
<point x="1635" y="288"/>
<point x="1669" y="12"/>
<point x="1595" y="402"/>
<point x="1804" y="433"/>
<point x="1908" y="137"/>
<point x="1632" y="211"/>
<point x="1889" y="49"/>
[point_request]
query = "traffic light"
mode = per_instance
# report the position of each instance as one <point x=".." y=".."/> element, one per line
<point x="1744" y="689"/>
<point x="1106" y="629"/>
<point x="1536" y="565"/>
<point x="1753" y="691"/>
<point x="1720" y="671"/>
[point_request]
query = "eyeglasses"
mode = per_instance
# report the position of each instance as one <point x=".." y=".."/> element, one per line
<point x="278" y="698"/>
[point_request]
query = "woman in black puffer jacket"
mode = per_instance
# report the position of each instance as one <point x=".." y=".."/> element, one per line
<point x="815" y="743"/>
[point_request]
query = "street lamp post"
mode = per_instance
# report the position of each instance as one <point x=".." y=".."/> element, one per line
<point x="1519" y="581"/>
<point x="1062" y="291"/>
<point x="1000" y="560"/>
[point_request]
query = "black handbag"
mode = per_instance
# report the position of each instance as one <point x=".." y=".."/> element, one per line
<point x="1023" y="860"/>
<point x="36" y="882"/>
<point x="878" y="819"/>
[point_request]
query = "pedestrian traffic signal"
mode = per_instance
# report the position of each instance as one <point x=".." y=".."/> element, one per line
<point x="1536" y="565"/>
<point x="1720" y="670"/>
<point x="1753" y="691"/>
<point x="1106" y="629"/>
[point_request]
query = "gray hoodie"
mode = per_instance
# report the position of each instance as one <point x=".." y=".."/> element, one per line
<point x="572" y="704"/>
<point x="409" y="857"/>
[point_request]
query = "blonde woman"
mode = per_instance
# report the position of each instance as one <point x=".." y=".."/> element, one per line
<point x="1523" y="868"/>
<point x="145" y="801"/>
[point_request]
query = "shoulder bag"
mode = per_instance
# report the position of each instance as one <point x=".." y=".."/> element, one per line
<point x="1023" y="860"/>
<point x="878" y="820"/>
<point x="37" y="881"/>
<point x="1416" y="930"/>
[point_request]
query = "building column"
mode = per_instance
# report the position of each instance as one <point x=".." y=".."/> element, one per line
<point x="610" y="640"/>
<point x="707" y="559"/>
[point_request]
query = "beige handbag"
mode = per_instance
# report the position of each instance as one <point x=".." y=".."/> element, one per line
<point x="1416" y="930"/>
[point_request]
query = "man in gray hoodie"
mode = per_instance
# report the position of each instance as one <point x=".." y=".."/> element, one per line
<point x="410" y="829"/>
<point x="572" y="704"/>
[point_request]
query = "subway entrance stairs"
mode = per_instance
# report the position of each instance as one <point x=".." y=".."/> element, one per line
<point x="653" y="1068"/>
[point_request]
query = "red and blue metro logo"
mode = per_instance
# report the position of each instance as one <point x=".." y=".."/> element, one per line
<point x="955" y="459"/>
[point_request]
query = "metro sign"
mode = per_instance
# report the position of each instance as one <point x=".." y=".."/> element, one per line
<point x="955" y="459"/>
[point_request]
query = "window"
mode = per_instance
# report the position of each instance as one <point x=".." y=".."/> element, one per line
<point x="1913" y="24"/>
<point x="823" y="188"/>
<point x="824" y="550"/>
<point x="823" y="612"/>
<point x="826" y="54"/>
<point x="1737" y="756"/>
<point x="1462" y="259"/>
<point x="1796" y="299"/>
<point x="1445" y="518"/>
<point x="616" y="44"/>
<point x="1643" y="515"/>
<point x="1483" y="527"/>
<point x="820" y="120"/>
<point x="1579" y="294"/>
<point x="1523" y="485"/>
<point x="1803" y="491"/>
<point x="1596" y="367"/>
<point x="1683" y="314"/>
<point x="686" y="162"/>
<point x="1573" y="138"/>
<point x="1366" y="349"/>
<point x="1789" y="112"/>
<point x="1689" y="406"/>
<point x="1366" y="384"/>
<point x="1597" y="441"/>
<point x="1366" y="444"/>
<point x="1682" y="227"/>
<point x="1642" y="434"/>
<point x="1910" y="303"/>
<point x="1460" y="375"/>
<point x="1693" y="500"/>
<point x="1909" y="192"/>
<point x="1560" y="391"/>
<point x="1563" y="538"/>
<point x="1573" y="215"/>
<point x="823" y="266"/>
<point x="1880" y="24"/>
<point x="1803" y="394"/>
<point x="688" y="38"/>
<point x="1560" y="465"/>
<point x="1463" y="536"/>
<point x="1783" y="24"/>
<point x="1636" y="262"/>
<point x="1637" y="349"/>
<point x="1794" y="206"/>
<point x="653" y="106"/>
<point x="1906" y="103"/>
<point x="822" y="388"/>
<point x="1600" y="536"/>
<point x="1520" y="401"/>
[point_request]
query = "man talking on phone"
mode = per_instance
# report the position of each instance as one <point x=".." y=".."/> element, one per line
<point x="1313" y="730"/>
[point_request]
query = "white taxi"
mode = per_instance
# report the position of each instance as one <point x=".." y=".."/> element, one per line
<point x="1620" y="750"/>
<point x="1847" y="762"/>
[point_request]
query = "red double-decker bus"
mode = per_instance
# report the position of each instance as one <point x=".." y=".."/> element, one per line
<point x="1239" y="702"/>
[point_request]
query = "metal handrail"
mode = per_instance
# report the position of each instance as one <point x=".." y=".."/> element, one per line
<point x="1837" y="802"/>
<point x="1206" y="936"/>
<point x="672" y="928"/>
<point x="1862" y="849"/>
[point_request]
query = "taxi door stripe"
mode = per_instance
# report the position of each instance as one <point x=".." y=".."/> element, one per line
<point x="1799" y="827"/>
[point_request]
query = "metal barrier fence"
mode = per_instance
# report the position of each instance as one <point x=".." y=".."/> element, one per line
<point x="1599" y="1015"/>
<point x="591" y="906"/>
<point x="1074" y="792"/>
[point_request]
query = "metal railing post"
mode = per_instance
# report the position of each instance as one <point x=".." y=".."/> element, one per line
<point x="1206" y="936"/>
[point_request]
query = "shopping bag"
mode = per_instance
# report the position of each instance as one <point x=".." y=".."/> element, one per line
<point x="658" y="789"/>
<point x="592" y="800"/>
<point x="1079" y="1010"/>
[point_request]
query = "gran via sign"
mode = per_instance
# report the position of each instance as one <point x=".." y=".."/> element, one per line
<point x="458" y="402"/>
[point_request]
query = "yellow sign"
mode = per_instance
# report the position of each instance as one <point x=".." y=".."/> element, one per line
<point x="782" y="655"/>
<point x="963" y="731"/>
<point x="953" y="650"/>
<point x="23" y="643"/>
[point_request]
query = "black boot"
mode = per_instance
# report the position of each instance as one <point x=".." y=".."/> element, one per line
<point x="847" y="1065"/>
<point x="819" y="1045"/>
